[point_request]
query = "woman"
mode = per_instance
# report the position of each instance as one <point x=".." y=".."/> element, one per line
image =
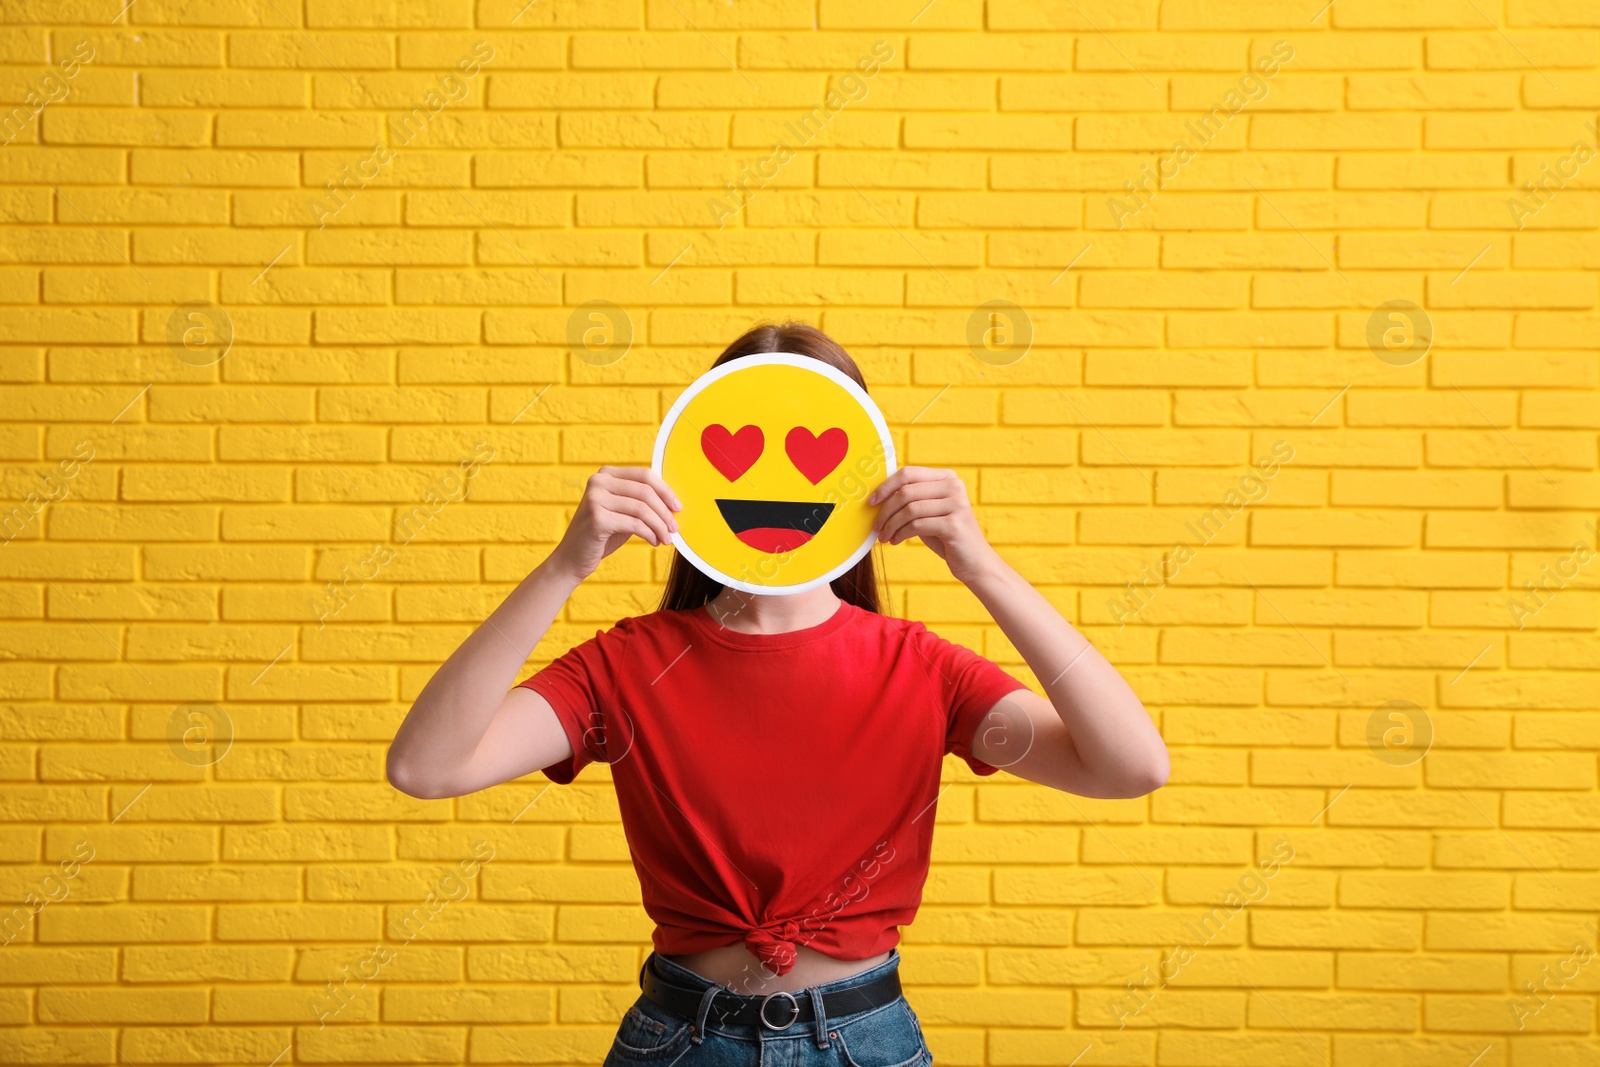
<point x="776" y="759"/>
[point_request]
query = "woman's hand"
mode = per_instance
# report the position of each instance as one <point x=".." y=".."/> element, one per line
<point x="618" y="503"/>
<point x="932" y="504"/>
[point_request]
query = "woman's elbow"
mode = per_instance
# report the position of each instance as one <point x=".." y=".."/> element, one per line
<point x="1143" y="778"/>
<point x="409" y="779"/>
<point x="1153" y="775"/>
<point x="1159" y="772"/>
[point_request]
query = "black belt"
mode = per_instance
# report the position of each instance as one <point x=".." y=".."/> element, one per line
<point x="741" y="1010"/>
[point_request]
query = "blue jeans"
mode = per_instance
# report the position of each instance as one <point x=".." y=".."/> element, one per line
<point x="889" y="1035"/>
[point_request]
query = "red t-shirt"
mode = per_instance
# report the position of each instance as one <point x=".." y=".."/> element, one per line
<point x="777" y="789"/>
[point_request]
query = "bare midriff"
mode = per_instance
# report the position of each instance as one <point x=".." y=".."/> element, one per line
<point x="733" y="966"/>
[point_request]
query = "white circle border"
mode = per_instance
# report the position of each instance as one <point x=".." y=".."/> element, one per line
<point x="773" y="359"/>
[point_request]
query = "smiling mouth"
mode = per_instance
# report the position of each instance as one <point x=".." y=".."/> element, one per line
<point x="774" y="525"/>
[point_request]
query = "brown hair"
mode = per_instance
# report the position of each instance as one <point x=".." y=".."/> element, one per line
<point x="688" y="588"/>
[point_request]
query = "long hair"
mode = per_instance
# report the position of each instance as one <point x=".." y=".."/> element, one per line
<point x="686" y="587"/>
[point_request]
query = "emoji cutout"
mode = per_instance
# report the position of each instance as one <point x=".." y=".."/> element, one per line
<point x="773" y="456"/>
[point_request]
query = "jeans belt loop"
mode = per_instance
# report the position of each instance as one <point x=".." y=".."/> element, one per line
<point x="705" y="1009"/>
<point x="821" y="1014"/>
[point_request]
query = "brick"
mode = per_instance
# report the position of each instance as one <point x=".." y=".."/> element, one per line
<point x="1245" y="251"/>
<point x="1447" y="489"/>
<point x="1012" y="15"/>
<point x="92" y="126"/>
<point x="1526" y="131"/>
<point x="270" y="130"/>
<point x="1486" y="50"/>
<point x="1335" y="131"/>
<point x="1348" y="529"/>
<point x="1432" y="91"/>
<point x="1290" y="929"/>
<point x="1469" y="448"/>
<point x="231" y="1044"/>
<point x="224" y="89"/>
<point x="640" y="131"/>
<point x="1553" y="290"/>
<point x="123" y="924"/>
<point x="995" y="131"/>
<point x="123" y="1005"/>
<point x="1346" y="51"/>
<point x="160" y="167"/>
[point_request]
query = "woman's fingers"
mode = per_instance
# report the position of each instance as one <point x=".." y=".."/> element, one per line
<point x="929" y="526"/>
<point x="911" y="512"/>
<point x="617" y="503"/>
<point x="656" y="526"/>
<point x="933" y="505"/>
<point x="943" y="488"/>
<point x="629" y="525"/>
<point x="650" y="499"/>
<point x="648" y="494"/>
<point x="905" y="494"/>
<point x="663" y="488"/>
<point x="902" y="477"/>
<point x="909" y="485"/>
<point x="649" y="477"/>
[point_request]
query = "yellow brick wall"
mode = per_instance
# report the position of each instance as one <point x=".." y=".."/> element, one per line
<point x="272" y="271"/>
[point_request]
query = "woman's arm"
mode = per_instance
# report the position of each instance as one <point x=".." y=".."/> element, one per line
<point x="1093" y="736"/>
<point x="469" y="729"/>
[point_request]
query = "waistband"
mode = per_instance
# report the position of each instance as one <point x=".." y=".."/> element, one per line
<point x="681" y="975"/>
<point x="809" y="1008"/>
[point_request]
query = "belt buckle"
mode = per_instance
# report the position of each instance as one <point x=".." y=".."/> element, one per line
<point x="762" y="1013"/>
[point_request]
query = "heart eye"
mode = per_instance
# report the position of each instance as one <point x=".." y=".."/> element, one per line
<point x="816" y="455"/>
<point x="732" y="453"/>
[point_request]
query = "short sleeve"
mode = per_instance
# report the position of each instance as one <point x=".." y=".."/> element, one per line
<point x="580" y="685"/>
<point x="970" y="685"/>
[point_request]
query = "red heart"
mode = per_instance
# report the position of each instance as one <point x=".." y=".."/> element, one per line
<point x="816" y="456"/>
<point x="732" y="453"/>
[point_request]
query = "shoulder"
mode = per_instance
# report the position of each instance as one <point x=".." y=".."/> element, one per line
<point x="888" y="624"/>
<point x="649" y="625"/>
<point x="910" y="631"/>
<point x="948" y="654"/>
<point x="899" y="638"/>
<point x="905" y="631"/>
<point x="624" y="641"/>
<point x="630" y="629"/>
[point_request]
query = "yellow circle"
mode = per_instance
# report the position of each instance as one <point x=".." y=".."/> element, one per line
<point x="772" y="457"/>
